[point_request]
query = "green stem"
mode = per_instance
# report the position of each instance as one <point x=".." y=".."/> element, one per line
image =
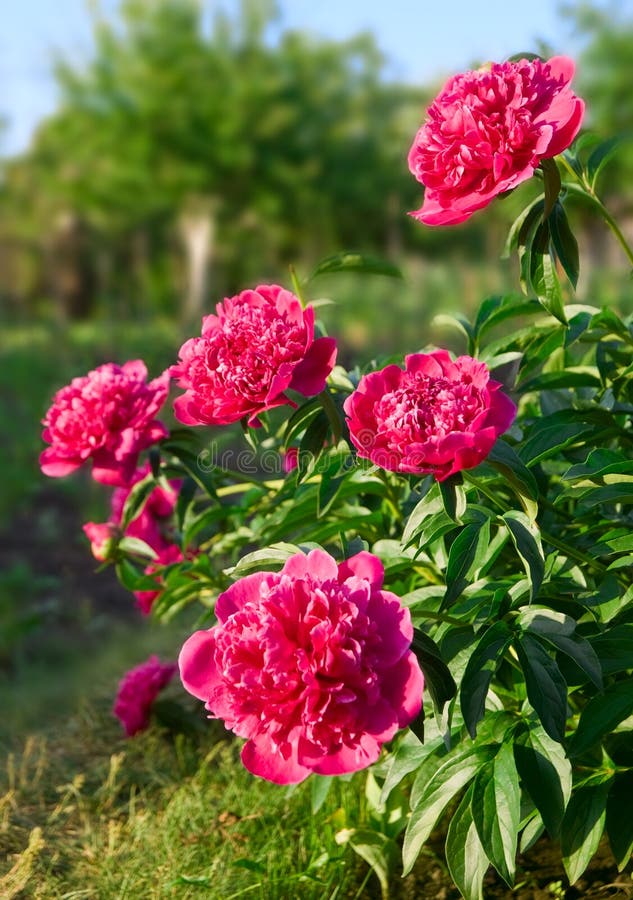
<point x="615" y="228"/>
<point x="613" y="225"/>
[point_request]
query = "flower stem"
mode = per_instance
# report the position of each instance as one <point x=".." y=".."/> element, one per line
<point x="615" y="228"/>
<point x="606" y="215"/>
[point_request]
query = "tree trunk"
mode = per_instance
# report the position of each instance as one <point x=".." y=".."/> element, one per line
<point x="197" y="231"/>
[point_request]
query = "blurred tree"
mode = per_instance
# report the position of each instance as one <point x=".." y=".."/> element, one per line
<point x="243" y="153"/>
<point x="604" y="80"/>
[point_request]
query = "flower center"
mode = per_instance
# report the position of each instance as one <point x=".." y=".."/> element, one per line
<point x="425" y="408"/>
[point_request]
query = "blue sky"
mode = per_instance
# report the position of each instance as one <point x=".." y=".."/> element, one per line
<point x="421" y="39"/>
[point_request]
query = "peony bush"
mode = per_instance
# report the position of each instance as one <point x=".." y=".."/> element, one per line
<point x="424" y="568"/>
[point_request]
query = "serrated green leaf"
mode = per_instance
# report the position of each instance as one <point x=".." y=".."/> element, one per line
<point x="601" y="715"/>
<point x="546" y="774"/>
<point x="582" y="827"/>
<point x="480" y="668"/>
<point x="465" y="855"/>
<point x="496" y="811"/>
<point x="546" y="688"/>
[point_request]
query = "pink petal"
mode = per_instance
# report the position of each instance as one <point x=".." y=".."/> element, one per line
<point x="197" y="665"/>
<point x="311" y="373"/>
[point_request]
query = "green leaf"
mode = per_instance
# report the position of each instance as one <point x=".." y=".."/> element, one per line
<point x="599" y="463"/>
<point x="614" y="648"/>
<point x="467" y="553"/>
<point x="505" y="460"/>
<point x="379" y="852"/>
<point x="610" y="493"/>
<point x="453" y="775"/>
<point x="465" y="855"/>
<point x="619" y="821"/>
<point x="564" y="243"/>
<point x="272" y="557"/>
<point x="582" y="827"/>
<point x="545" y="284"/>
<point x="602" y="154"/>
<point x="601" y="715"/>
<point x="350" y="261"/>
<point x="481" y="666"/>
<point x="549" y="436"/>
<point x="559" y="630"/>
<point x="531" y="833"/>
<point x="551" y="183"/>
<point x="437" y="677"/>
<point x="545" y="685"/>
<point x="407" y="756"/>
<point x="312" y="444"/>
<point x="319" y="789"/>
<point x="137" y="547"/>
<point x="300" y="419"/>
<point x="524" y="225"/>
<point x="453" y="497"/>
<point x="510" y="306"/>
<point x="429" y="505"/>
<point x="579" y="377"/>
<point x="136" y="500"/>
<point x="496" y="810"/>
<point x="546" y="774"/>
<point x="526" y="538"/>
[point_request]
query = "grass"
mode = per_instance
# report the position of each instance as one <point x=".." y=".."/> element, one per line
<point x="87" y="814"/>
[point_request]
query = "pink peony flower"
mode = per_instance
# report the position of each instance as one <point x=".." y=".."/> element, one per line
<point x="437" y="416"/>
<point x="137" y="692"/>
<point x="311" y="664"/>
<point x="108" y="416"/>
<point x="260" y="344"/>
<point x="488" y="130"/>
